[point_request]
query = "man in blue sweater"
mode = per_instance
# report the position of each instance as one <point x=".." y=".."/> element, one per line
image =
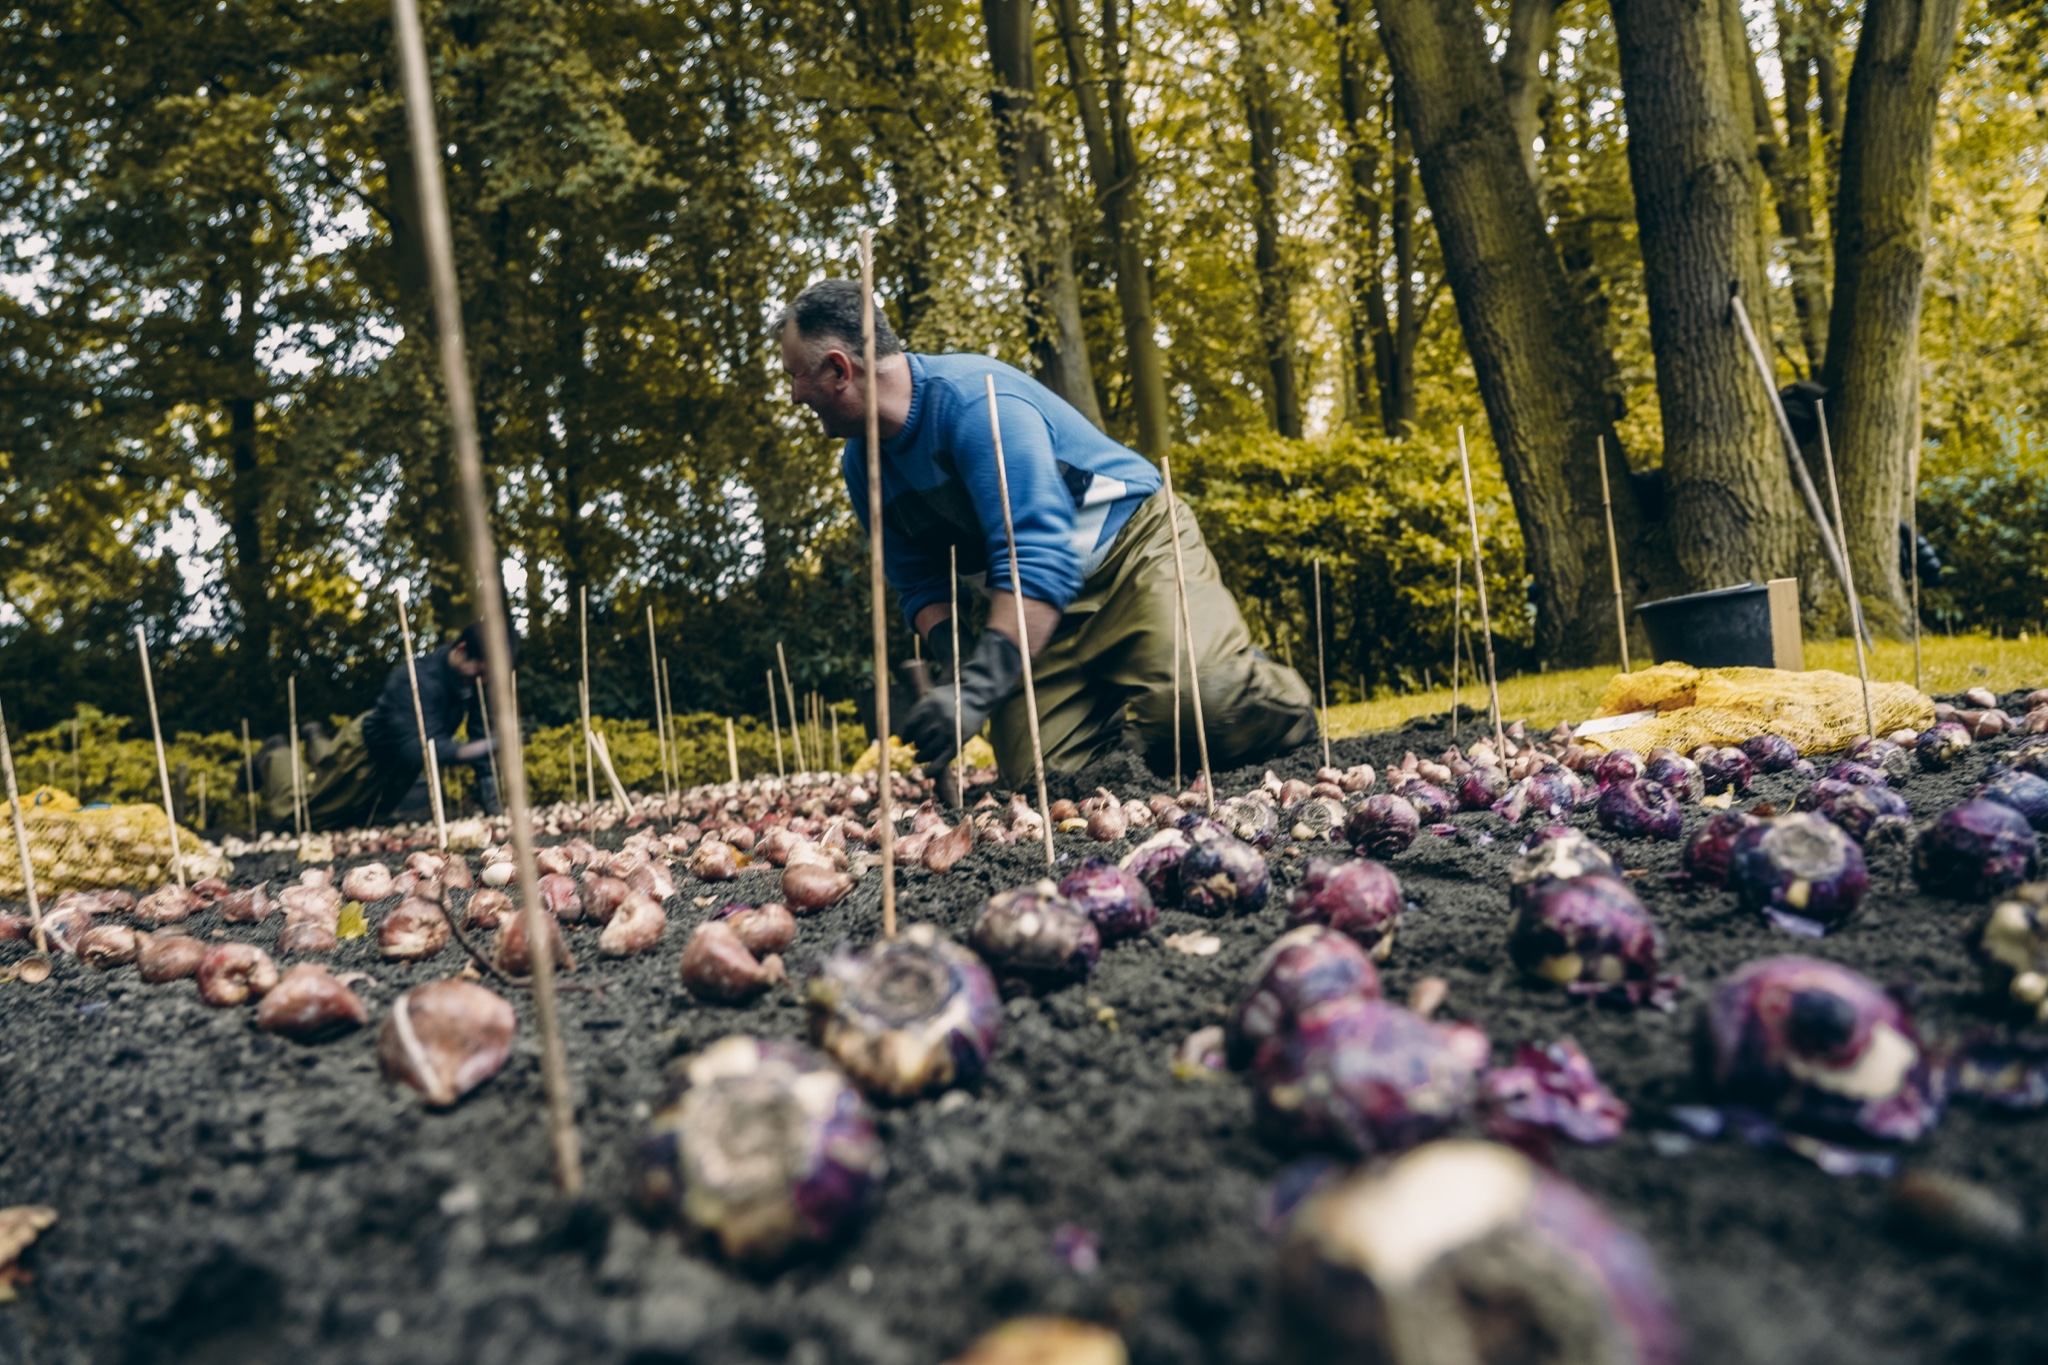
<point x="1094" y="558"/>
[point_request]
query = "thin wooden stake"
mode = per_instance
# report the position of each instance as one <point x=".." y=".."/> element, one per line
<point x="1913" y="558"/>
<point x="583" y="637"/>
<point x="775" y="724"/>
<point x="28" y="872"/>
<point x="483" y="713"/>
<point x="732" y="751"/>
<point x="1178" y="784"/>
<point x="440" y="253"/>
<point x="660" y="730"/>
<point x="1187" y="625"/>
<point x="1500" y="743"/>
<point x="1457" y="630"/>
<point x="959" y="735"/>
<point x="77" y="781"/>
<point x="202" y="800"/>
<point x="428" y="756"/>
<point x="1613" y="553"/>
<point x="668" y="731"/>
<point x="838" y="758"/>
<point x="163" y="767"/>
<point x="249" y="772"/>
<point x="1827" y="453"/>
<point x="291" y="694"/>
<point x="603" y="752"/>
<point x="796" y="742"/>
<point x="995" y="431"/>
<point x="878" y="586"/>
<point x="1322" y="685"/>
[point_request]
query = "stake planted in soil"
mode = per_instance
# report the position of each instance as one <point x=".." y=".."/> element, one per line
<point x="291" y="708"/>
<point x="878" y="586"/>
<point x="1827" y="454"/>
<point x="1457" y="629"/>
<point x="959" y="738"/>
<point x="440" y="253"/>
<point x="1187" y="628"/>
<point x="28" y="872"/>
<point x="775" y="724"/>
<point x="163" y="768"/>
<point x="611" y="774"/>
<point x="1613" y="553"/>
<point x="249" y="772"/>
<point x="1500" y="744"/>
<point x="433" y="762"/>
<point x="583" y="696"/>
<point x="796" y="728"/>
<point x="995" y="431"/>
<point x="1322" y="686"/>
<point x="668" y="729"/>
<point x="660" y="729"/>
<point x="732" y="751"/>
<point x="1912" y="531"/>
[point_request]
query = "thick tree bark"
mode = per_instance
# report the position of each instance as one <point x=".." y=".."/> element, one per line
<point x="1058" y="347"/>
<point x="249" y="572"/>
<point x="889" y="31"/>
<point x="1397" y="390"/>
<point x="1276" y="296"/>
<point x="1531" y="24"/>
<point x="1369" y="375"/>
<point x="1543" y="398"/>
<point x="1793" y="182"/>
<point x="1734" y="512"/>
<point x="1881" y="227"/>
<point x="1113" y="164"/>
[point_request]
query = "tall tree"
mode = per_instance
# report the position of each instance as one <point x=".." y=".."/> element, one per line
<point x="1269" y="263"/>
<point x="1531" y="24"/>
<point x="1881" y="231"/>
<point x="1058" y="344"/>
<point x="1529" y="354"/>
<point x="1791" y="173"/>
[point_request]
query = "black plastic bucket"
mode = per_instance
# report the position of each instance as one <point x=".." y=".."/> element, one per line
<point x="1725" y="628"/>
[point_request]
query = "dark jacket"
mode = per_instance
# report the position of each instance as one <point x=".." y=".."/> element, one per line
<point x="446" y="700"/>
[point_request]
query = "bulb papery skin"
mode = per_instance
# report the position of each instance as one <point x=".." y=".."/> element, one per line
<point x="1882" y="754"/>
<point x="2031" y="756"/>
<point x="1156" y="864"/>
<point x="1862" y="813"/>
<point x="1723" y="770"/>
<point x="1357" y="897"/>
<point x="1770" y="753"/>
<point x="1464" y="1253"/>
<point x="1555" y="791"/>
<point x="1709" y="851"/>
<point x="1622" y="765"/>
<point x="2025" y="792"/>
<point x="446" y="1038"/>
<point x="1366" y="1077"/>
<point x="1318" y="817"/>
<point x="1592" y="936"/>
<point x="1558" y="853"/>
<point x="1798" y="865"/>
<point x="1643" y="809"/>
<point x="309" y="1004"/>
<point x="1431" y="803"/>
<point x="907" y="1016"/>
<point x="1858" y="774"/>
<point x="1117" y="901"/>
<point x="1221" y="874"/>
<point x="1035" y="939"/>
<point x="1975" y="851"/>
<point x="1382" y="825"/>
<point x="1255" y="822"/>
<point x="2013" y="945"/>
<point x="763" y="1147"/>
<point x="1940" y="745"/>
<point x="1480" y="788"/>
<point x="1675" y="773"/>
<point x="1299" y="971"/>
<point x="1819" y="1048"/>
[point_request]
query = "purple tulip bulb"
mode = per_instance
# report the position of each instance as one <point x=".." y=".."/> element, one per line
<point x="2031" y="756"/>
<point x="1478" y="1253"/>
<point x="1156" y="865"/>
<point x="1553" y="791"/>
<point x="762" y="1146"/>
<point x="1480" y="788"/>
<point x="1675" y="773"/>
<point x="1592" y="936"/>
<point x="1802" y="872"/>
<point x="1723" y="770"/>
<point x="1940" y="745"/>
<point x="1318" y="817"/>
<point x="1770" y="753"/>
<point x="2013" y="945"/>
<point x="1862" y="813"/>
<point x="1888" y="758"/>
<point x="1035" y="938"/>
<point x="1975" y="851"/>
<point x="1858" y="774"/>
<point x="1223" y="875"/>
<point x="1642" y="809"/>
<point x="1709" y="852"/>
<point x="2025" y="792"/>
<point x="1623" y="765"/>
<point x="1557" y="854"/>
<point x="1432" y="803"/>
<point x="1304" y="968"/>
<point x="1357" y="897"/>
<point x="1383" y="825"/>
<point x="1820" y="1048"/>
<point x="910" y="1015"/>
<point x="1513" y="805"/>
<point x="1117" y="901"/>
<point x="1365" y="1076"/>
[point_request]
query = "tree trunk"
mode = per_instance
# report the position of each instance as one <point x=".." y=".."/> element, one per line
<point x="1058" y="347"/>
<point x="1113" y="164"/>
<point x="1398" y="395"/>
<point x="1369" y="377"/>
<point x="1529" y="353"/>
<point x="1530" y="26"/>
<point x="1794" y="185"/>
<point x="889" y="32"/>
<point x="1276" y="303"/>
<point x="1881" y="227"/>
<point x="1734" y="512"/>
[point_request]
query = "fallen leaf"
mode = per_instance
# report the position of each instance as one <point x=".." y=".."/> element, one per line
<point x="1195" y="945"/>
<point x="351" y="923"/>
<point x="19" y="1227"/>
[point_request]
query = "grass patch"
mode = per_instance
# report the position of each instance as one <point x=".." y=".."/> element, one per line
<point x="1948" y="664"/>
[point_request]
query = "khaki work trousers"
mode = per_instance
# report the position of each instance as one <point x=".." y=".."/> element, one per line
<point x="1110" y="664"/>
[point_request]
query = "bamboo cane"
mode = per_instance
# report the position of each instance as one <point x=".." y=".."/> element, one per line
<point x="583" y="638"/>
<point x="1613" y="553"/>
<point x="603" y="751"/>
<point x="1322" y="684"/>
<point x="291" y="694"/>
<point x="732" y="751"/>
<point x="483" y="713"/>
<point x="77" y="780"/>
<point x="995" y="431"/>
<point x="1457" y="625"/>
<point x="660" y="730"/>
<point x="775" y="724"/>
<point x="440" y="253"/>
<point x="1913" y="558"/>
<point x="668" y="730"/>
<point x="1187" y="625"/>
<point x="796" y="740"/>
<point x="419" y="716"/>
<point x="959" y="735"/>
<point x="1500" y="742"/>
<point x="28" y="871"/>
<point x="249" y="771"/>
<point x="877" y="584"/>
<point x="838" y="758"/>
<point x="1827" y="454"/>
<point x="1178" y="785"/>
<point x="163" y="767"/>
<point x="202" y="800"/>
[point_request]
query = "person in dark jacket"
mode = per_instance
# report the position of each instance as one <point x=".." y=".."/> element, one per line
<point x="375" y="770"/>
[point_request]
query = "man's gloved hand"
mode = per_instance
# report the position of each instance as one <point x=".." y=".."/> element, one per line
<point x="938" y="651"/>
<point x="995" y="666"/>
<point x="475" y="749"/>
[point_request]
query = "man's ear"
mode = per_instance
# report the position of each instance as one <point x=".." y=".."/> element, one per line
<point x="842" y="365"/>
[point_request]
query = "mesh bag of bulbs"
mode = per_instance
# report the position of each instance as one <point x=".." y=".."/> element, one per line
<point x="73" y="849"/>
<point x="1680" y="707"/>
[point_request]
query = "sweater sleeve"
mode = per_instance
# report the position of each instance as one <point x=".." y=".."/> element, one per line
<point x="1041" y="507"/>
<point x="916" y="571"/>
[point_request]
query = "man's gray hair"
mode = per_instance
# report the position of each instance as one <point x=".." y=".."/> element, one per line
<point x="831" y="309"/>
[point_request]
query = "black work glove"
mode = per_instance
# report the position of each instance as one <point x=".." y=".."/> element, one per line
<point x="938" y="651"/>
<point x="995" y="666"/>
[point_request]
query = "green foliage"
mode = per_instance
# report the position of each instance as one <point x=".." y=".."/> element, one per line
<point x="1985" y="508"/>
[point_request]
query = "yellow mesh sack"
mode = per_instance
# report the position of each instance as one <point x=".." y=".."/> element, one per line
<point x="87" y="850"/>
<point x="1819" y="711"/>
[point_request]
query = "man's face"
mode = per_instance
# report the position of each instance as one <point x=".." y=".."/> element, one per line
<point x="459" y="660"/>
<point x="823" y="378"/>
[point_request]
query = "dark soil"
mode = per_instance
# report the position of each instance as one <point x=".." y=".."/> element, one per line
<point x="227" y="1196"/>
